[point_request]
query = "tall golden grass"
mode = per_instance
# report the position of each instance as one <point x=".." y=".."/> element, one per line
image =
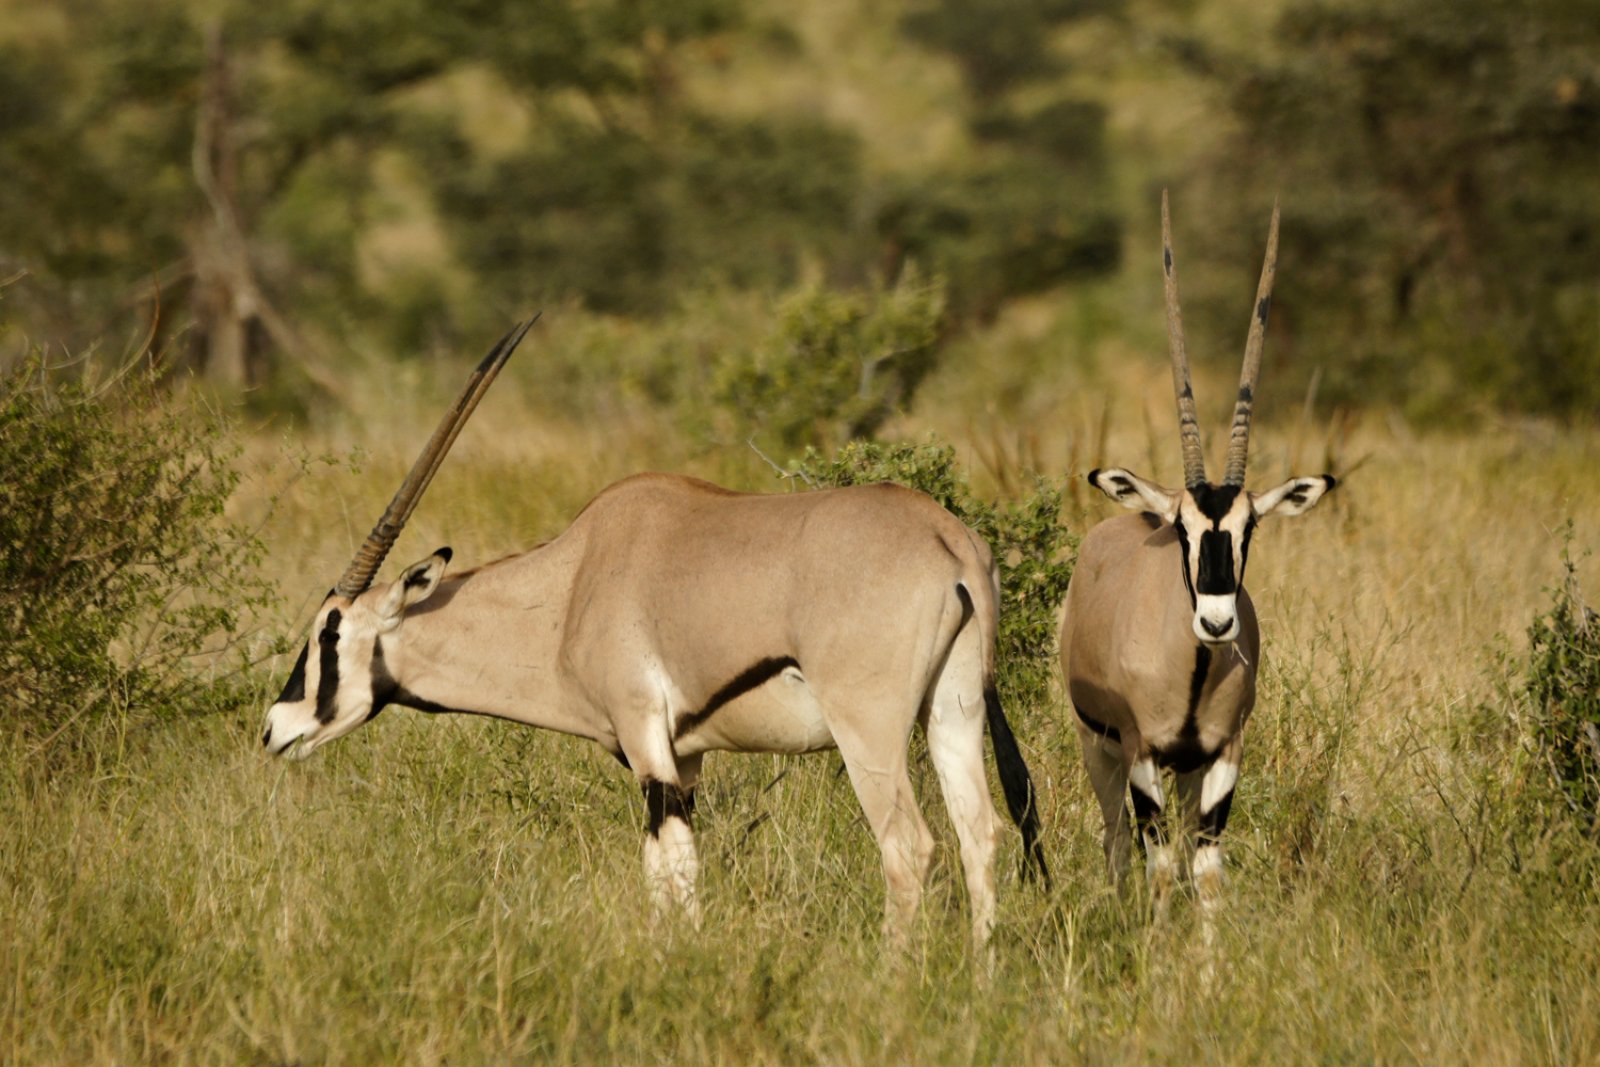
<point x="438" y="890"/>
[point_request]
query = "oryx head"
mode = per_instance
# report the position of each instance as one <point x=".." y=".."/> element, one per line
<point x="335" y="685"/>
<point x="1214" y="522"/>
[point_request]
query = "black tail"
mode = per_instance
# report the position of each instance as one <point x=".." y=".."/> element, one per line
<point x="1018" y="786"/>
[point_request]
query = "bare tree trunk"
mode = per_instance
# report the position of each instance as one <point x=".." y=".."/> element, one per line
<point x="225" y="300"/>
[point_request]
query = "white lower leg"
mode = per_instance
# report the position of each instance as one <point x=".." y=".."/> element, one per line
<point x="1207" y="873"/>
<point x="677" y="866"/>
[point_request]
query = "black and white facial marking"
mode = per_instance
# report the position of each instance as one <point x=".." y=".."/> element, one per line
<point x="1214" y="524"/>
<point x="345" y="681"/>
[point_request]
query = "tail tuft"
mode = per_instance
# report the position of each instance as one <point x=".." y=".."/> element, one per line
<point x="1015" y="781"/>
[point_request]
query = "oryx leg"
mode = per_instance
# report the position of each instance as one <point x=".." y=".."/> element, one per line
<point x="1210" y="800"/>
<point x="876" y="761"/>
<point x="1149" y="805"/>
<point x="671" y="865"/>
<point x="1108" y="775"/>
<point x="955" y="744"/>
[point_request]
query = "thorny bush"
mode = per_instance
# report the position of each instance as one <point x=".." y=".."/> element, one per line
<point x="120" y="576"/>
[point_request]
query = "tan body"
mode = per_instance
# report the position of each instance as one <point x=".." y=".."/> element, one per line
<point x="1125" y="625"/>
<point x="665" y="589"/>
<point x="675" y="617"/>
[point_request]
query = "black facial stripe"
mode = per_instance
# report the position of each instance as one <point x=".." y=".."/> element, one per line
<point x="294" y="689"/>
<point x="1216" y="564"/>
<point x="1244" y="549"/>
<point x="328" y="667"/>
<point x="384" y="687"/>
<point x="663" y="801"/>
<point x="756" y="674"/>
<point x="386" y="690"/>
<point x="1183" y="549"/>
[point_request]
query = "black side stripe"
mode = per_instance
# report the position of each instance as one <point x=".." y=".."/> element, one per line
<point x="1110" y="733"/>
<point x="753" y="676"/>
<point x="328" y="667"/>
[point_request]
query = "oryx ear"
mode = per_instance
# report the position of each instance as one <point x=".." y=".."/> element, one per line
<point x="415" y="584"/>
<point x="1294" y="497"/>
<point x="1132" y="491"/>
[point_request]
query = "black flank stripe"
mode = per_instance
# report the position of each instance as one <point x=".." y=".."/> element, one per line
<point x="1110" y="733"/>
<point x="753" y="676"/>
<point x="328" y="668"/>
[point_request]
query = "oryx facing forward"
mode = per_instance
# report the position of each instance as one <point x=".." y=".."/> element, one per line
<point x="1159" y="643"/>
<point x="673" y="618"/>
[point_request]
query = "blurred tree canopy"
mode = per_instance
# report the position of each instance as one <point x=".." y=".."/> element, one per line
<point x="1439" y="168"/>
<point x="1034" y="210"/>
<point x="295" y="177"/>
<point x="240" y="158"/>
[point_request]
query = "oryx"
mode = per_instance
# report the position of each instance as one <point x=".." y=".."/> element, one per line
<point x="674" y="618"/>
<point x="1159" y="643"/>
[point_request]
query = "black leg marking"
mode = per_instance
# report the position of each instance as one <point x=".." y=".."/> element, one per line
<point x="1214" y="821"/>
<point x="328" y="668"/>
<point x="663" y="801"/>
<point x="751" y="677"/>
<point x="1147" y="817"/>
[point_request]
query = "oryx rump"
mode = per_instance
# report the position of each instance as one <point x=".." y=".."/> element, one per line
<point x="1159" y="641"/>
<point x="673" y="618"/>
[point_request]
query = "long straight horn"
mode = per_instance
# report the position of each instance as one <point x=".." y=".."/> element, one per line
<point x="364" y="567"/>
<point x="1194" y="460"/>
<point x="1239" y="436"/>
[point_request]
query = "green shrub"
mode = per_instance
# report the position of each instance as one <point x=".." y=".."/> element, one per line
<point x="1562" y="683"/>
<point x="838" y="364"/>
<point x="118" y="569"/>
<point x="1032" y="546"/>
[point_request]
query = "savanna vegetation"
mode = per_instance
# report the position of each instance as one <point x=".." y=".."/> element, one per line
<point x="248" y="252"/>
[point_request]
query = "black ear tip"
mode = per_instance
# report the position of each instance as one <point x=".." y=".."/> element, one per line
<point x="444" y="553"/>
<point x="1330" y="481"/>
<point x="1092" y="476"/>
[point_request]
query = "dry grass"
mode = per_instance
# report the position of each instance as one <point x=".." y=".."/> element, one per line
<point x="436" y="890"/>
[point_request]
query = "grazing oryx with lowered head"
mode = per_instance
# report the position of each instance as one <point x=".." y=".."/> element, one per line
<point x="673" y="618"/>
<point x="1159" y="643"/>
